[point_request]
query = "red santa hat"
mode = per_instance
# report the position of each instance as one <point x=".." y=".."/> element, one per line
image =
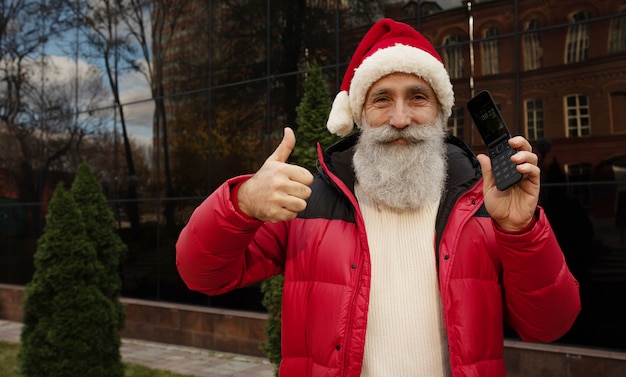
<point x="388" y="47"/>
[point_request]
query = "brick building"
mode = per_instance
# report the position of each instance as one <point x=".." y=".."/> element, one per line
<point x="557" y="70"/>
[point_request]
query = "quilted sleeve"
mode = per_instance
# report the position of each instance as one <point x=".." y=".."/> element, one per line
<point x="542" y="296"/>
<point x="220" y="249"/>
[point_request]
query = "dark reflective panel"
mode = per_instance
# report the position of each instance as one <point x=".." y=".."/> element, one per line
<point x="164" y="120"/>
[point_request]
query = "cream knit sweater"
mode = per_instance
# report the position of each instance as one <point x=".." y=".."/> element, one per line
<point x="405" y="330"/>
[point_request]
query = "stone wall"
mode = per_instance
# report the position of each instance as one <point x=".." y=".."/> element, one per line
<point x="553" y="360"/>
<point x="210" y="328"/>
<point x="11" y="302"/>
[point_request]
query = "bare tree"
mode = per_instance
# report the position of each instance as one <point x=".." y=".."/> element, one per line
<point x="148" y="21"/>
<point x="234" y="42"/>
<point x="109" y="43"/>
<point x="25" y="28"/>
<point x="23" y="32"/>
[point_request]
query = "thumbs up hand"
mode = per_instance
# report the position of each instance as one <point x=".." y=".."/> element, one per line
<point x="278" y="191"/>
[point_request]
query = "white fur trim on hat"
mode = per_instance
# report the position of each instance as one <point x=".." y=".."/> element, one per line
<point x="405" y="59"/>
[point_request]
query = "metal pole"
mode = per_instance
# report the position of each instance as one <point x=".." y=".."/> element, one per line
<point x="470" y="24"/>
<point x="268" y="47"/>
<point x="210" y="92"/>
<point x="516" y="64"/>
<point x="337" y="57"/>
<point x="419" y="15"/>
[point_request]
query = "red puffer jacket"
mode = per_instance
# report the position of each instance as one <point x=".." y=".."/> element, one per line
<point x="486" y="276"/>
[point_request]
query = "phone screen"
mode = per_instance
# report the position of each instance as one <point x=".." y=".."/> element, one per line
<point x="495" y="134"/>
<point x="484" y="112"/>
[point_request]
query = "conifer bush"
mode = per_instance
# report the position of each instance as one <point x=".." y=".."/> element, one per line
<point x="70" y="325"/>
<point x="312" y="114"/>
<point x="100" y="227"/>
<point x="311" y="120"/>
<point x="272" y="290"/>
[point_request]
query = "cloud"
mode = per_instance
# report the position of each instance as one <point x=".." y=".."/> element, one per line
<point x="62" y="73"/>
<point x="63" y="70"/>
<point x="138" y="104"/>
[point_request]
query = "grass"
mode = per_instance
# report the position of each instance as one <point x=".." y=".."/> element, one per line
<point x="9" y="366"/>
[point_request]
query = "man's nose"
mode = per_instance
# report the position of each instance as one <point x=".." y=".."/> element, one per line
<point x="400" y="116"/>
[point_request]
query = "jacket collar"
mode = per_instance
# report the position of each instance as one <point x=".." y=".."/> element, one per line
<point x="338" y="160"/>
<point x="463" y="173"/>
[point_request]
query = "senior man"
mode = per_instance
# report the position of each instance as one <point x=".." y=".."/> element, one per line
<point x="401" y="257"/>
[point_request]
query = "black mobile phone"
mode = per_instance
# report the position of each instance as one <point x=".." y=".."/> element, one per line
<point x="495" y="135"/>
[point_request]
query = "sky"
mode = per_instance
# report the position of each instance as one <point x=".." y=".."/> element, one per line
<point x="134" y="88"/>
<point x="135" y="91"/>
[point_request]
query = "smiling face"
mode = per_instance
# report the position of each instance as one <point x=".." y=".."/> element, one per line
<point x="399" y="100"/>
<point x="400" y="158"/>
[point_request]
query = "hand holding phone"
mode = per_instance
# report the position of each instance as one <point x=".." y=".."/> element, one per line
<point x="495" y="135"/>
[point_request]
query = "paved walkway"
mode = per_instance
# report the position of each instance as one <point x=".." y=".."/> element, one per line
<point x="183" y="360"/>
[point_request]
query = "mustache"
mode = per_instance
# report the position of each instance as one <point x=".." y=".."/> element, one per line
<point x="413" y="133"/>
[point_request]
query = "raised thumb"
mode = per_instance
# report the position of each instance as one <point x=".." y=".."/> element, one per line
<point x="284" y="149"/>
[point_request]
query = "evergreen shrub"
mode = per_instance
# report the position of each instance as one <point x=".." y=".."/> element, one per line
<point x="71" y="309"/>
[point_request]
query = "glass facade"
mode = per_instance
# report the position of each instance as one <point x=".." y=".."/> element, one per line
<point x="168" y="99"/>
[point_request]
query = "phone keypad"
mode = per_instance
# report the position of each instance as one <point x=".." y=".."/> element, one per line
<point x="504" y="170"/>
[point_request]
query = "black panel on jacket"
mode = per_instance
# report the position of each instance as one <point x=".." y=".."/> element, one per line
<point x="327" y="202"/>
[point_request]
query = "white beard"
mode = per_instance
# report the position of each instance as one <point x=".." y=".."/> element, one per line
<point x="401" y="176"/>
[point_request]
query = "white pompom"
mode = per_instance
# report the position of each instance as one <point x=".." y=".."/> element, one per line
<point x="340" y="120"/>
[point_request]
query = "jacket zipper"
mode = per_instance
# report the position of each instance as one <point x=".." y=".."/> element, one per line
<point x="339" y="184"/>
<point x="350" y="322"/>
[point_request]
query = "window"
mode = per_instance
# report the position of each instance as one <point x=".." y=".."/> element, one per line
<point x="534" y="118"/>
<point x="490" y="53"/>
<point x="617" y="36"/>
<point x="456" y="122"/>
<point x="577" y="38"/>
<point x="577" y="115"/>
<point x="533" y="51"/>
<point x="453" y="56"/>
